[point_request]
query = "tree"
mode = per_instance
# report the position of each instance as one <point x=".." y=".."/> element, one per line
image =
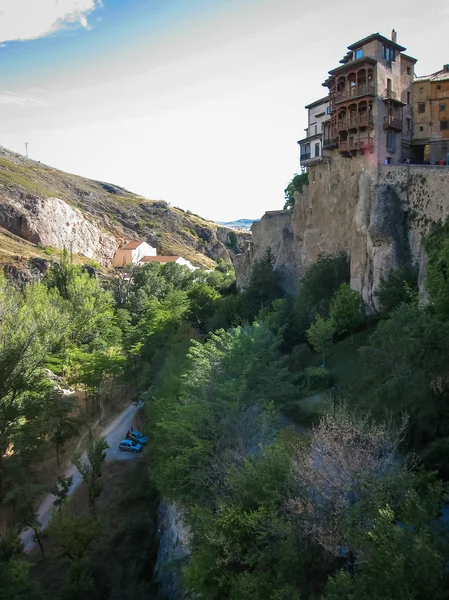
<point x="73" y="534"/>
<point x="350" y="462"/>
<point x="402" y="558"/>
<point x="203" y="300"/>
<point x="63" y="425"/>
<point x="318" y="286"/>
<point x="320" y="335"/>
<point x="346" y="310"/>
<point x="61" y="491"/>
<point x="89" y="467"/>
<point x="264" y="286"/>
<point x="400" y="287"/>
<point x="297" y="184"/>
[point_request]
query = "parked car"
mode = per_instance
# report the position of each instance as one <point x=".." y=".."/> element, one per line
<point x="138" y="437"/>
<point x="129" y="446"/>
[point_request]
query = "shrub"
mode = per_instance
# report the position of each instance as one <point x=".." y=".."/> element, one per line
<point x="401" y="286"/>
<point x="316" y="379"/>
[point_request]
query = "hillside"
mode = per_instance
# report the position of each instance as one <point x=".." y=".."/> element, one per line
<point x="52" y="209"/>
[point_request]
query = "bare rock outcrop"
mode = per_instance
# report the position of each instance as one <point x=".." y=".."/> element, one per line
<point x="379" y="216"/>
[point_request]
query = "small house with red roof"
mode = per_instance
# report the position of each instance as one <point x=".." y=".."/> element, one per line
<point x="132" y="253"/>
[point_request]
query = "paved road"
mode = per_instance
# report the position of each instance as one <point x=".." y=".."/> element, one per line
<point x="114" y="433"/>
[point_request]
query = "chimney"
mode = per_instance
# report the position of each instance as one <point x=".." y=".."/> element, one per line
<point x="445" y="68"/>
<point x="394" y="36"/>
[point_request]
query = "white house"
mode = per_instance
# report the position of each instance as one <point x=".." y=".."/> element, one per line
<point x="165" y="259"/>
<point x="133" y="252"/>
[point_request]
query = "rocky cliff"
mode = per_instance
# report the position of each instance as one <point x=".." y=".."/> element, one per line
<point x="379" y="216"/>
<point x="53" y="209"/>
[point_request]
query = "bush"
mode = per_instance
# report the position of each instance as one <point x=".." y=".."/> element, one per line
<point x="400" y="287"/>
<point x="316" y="379"/>
<point x="297" y="184"/>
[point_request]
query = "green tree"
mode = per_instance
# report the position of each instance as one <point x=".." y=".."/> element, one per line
<point x="63" y="424"/>
<point x="318" y="286"/>
<point x="203" y="300"/>
<point x="89" y="467"/>
<point x="346" y="310"/>
<point x="264" y="285"/>
<point x="437" y="280"/>
<point x="297" y="184"/>
<point x="320" y="335"/>
<point x="400" y="287"/>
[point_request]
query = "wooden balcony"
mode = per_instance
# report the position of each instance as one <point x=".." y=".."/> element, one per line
<point x="355" y="92"/>
<point x="349" y="145"/>
<point x="355" y="122"/>
<point x="393" y="123"/>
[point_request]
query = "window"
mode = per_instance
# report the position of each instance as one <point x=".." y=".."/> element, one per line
<point x="421" y="128"/>
<point x="421" y="90"/>
<point x="438" y="87"/>
<point x="421" y="107"/>
<point x="409" y="71"/>
<point x="388" y="53"/>
<point x="408" y="124"/>
<point x="442" y="107"/>
<point x="391" y="141"/>
<point x="409" y="98"/>
<point x="358" y="53"/>
<point x="316" y="129"/>
<point x="317" y="149"/>
<point x="328" y="110"/>
<point x="444" y="125"/>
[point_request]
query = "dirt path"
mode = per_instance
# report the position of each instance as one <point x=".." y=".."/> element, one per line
<point x="113" y="433"/>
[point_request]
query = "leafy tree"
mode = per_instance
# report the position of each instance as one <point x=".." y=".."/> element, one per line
<point x="320" y="335"/>
<point x="402" y="558"/>
<point x="264" y="285"/>
<point x="346" y="310"/>
<point x="408" y="355"/>
<point x="437" y="281"/>
<point x="202" y="299"/>
<point x="61" y="491"/>
<point x="89" y="467"/>
<point x="297" y="184"/>
<point x="400" y="287"/>
<point x="318" y="286"/>
<point x="73" y="534"/>
<point x="63" y="425"/>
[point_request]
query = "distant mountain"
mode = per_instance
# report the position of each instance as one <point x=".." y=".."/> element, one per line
<point x="240" y="223"/>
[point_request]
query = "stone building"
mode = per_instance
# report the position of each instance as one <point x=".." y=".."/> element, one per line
<point x="369" y="109"/>
<point x="431" y="110"/>
<point x="371" y="100"/>
<point x="312" y="144"/>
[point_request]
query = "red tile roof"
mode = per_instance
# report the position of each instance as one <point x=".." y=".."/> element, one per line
<point x="131" y="246"/>
<point x="161" y="259"/>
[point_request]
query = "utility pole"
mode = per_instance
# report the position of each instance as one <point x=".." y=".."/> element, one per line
<point x="26" y="149"/>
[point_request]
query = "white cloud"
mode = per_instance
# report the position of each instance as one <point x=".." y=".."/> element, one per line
<point x="31" y="19"/>
<point x="22" y="98"/>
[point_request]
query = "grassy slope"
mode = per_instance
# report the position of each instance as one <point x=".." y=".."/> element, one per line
<point x="122" y="213"/>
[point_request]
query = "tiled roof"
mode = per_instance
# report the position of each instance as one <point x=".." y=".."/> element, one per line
<point x="161" y="259"/>
<point x="381" y="38"/>
<point x="442" y="75"/>
<point x="131" y="246"/>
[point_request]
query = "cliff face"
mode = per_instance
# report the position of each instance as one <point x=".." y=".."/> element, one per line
<point x="56" y="209"/>
<point x="379" y="216"/>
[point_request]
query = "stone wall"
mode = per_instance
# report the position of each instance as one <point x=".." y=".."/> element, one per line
<point x="379" y="216"/>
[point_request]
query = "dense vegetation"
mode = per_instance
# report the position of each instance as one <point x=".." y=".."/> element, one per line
<point x="306" y="442"/>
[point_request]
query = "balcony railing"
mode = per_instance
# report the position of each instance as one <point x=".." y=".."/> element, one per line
<point x="358" y="121"/>
<point x="305" y="156"/>
<point x="347" y="145"/>
<point x="330" y="142"/>
<point x="392" y="123"/>
<point x="355" y="92"/>
<point x="389" y="95"/>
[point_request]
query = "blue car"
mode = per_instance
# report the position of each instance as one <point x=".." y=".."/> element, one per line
<point x="137" y="437"/>
<point x="129" y="446"/>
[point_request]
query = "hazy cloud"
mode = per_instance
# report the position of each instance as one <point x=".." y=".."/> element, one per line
<point x="27" y="98"/>
<point x="31" y="19"/>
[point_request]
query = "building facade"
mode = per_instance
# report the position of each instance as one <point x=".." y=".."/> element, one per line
<point x="132" y="253"/>
<point x="369" y="109"/>
<point x="312" y="145"/>
<point x="431" y="110"/>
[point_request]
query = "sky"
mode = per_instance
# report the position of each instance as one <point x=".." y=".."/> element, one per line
<point x="197" y="102"/>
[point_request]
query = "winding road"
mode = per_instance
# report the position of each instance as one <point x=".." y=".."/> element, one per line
<point x="114" y="433"/>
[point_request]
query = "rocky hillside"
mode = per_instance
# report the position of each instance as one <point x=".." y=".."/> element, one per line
<point x="52" y="209"/>
<point x="379" y="216"/>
